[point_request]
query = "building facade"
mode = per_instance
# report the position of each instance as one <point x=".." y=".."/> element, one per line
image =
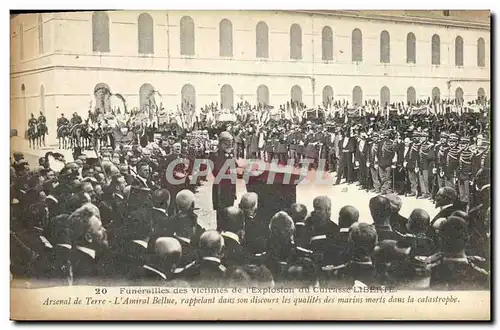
<point x="59" y="60"/>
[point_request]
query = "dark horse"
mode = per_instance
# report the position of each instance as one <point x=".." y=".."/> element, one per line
<point x="82" y="135"/>
<point x="32" y="135"/>
<point x="63" y="136"/>
<point x="41" y="132"/>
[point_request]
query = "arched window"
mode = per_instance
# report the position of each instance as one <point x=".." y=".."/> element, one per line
<point x="263" y="95"/>
<point x="327" y="44"/>
<point x="40" y="34"/>
<point x="100" y="32"/>
<point x="146" y="34"/>
<point x="481" y="93"/>
<point x="295" y="42"/>
<point x="102" y="94"/>
<point x="385" y="96"/>
<point x="411" y="48"/>
<point x="146" y="95"/>
<point x="411" y="95"/>
<point x="21" y="42"/>
<point x="42" y="99"/>
<point x="480" y="52"/>
<point x="188" y="97"/>
<point x="385" y="47"/>
<point x="357" y="96"/>
<point x="459" y="51"/>
<point x="262" y="40"/>
<point x="227" y="97"/>
<point x="357" y="45"/>
<point x="296" y="93"/>
<point x="187" y="36"/>
<point x="436" y="94"/>
<point x="226" y="38"/>
<point x="459" y="95"/>
<point x="327" y="95"/>
<point x="436" y="50"/>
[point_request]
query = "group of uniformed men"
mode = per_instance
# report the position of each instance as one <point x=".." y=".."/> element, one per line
<point x="116" y="219"/>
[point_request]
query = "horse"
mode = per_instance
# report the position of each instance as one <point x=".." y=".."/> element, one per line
<point x="32" y="135"/>
<point x="63" y="135"/>
<point x="41" y="132"/>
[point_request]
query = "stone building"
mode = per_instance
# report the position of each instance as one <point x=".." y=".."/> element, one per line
<point x="60" y="62"/>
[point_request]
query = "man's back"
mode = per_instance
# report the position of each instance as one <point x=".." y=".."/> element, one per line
<point x="458" y="274"/>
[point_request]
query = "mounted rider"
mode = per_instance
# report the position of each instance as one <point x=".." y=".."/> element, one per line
<point x="42" y="119"/>
<point x="32" y="121"/>
<point x="62" y="121"/>
<point x="76" y="119"/>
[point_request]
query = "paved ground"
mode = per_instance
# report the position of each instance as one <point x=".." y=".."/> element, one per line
<point x="341" y="195"/>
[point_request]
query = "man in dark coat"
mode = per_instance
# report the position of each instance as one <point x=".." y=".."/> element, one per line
<point x="224" y="186"/>
<point x="232" y="230"/>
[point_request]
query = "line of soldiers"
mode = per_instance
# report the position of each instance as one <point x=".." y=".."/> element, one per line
<point x="411" y="160"/>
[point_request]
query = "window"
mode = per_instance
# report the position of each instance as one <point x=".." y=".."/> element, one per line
<point x="327" y="95"/>
<point x="357" y="45"/>
<point x="145" y="95"/>
<point x="436" y="94"/>
<point x="21" y="42"/>
<point x="262" y="40"/>
<point x="480" y="52"/>
<point x="459" y="95"/>
<point x="411" y="95"/>
<point x="385" y="96"/>
<point x="187" y="36"/>
<point x="411" y="48"/>
<point x="102" y="94"/>
<point x="436" y="50"/>
<point x="263" y="95"/>
<point x="227" y="97"/>
<point x="459" y="51"/>
<point x="42" y="99"/>
<point x="295" y="42"/>
<point x="296" y="93"/>
<point x="146" y="34"/>
<point x="327" y="44"/>
<point x="188" y="97"/>
<point x="357" y="96"/>
<point x="385" y="47"/>
<point x="40" y="34"/>
<point x="226" y="38"/>
<point x="446" y="12"/>
<point x="481" y="93"/>
<point x="100" y="32"/>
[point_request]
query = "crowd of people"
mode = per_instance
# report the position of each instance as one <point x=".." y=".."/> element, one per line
<point x="115" y="219"/>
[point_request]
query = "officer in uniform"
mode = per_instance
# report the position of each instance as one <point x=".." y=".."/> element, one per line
<point x="425" y="165"/>
<point x="450" y="170"/>
<point x="361" y="160"/>
<point x="62" y="121"/>
<point x="372" y="162"/>
<point x="410" y="163"/>
<point x="442" y="152"/>
<point x="347" y="148"/>
<point x="386" y="160"/>
<point x="464" y="169"/>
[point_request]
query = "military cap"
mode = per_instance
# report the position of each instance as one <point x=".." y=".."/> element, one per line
<point x="444" y="135"/>
<point x="464" y="139"/>
<point x="18" y="155"/>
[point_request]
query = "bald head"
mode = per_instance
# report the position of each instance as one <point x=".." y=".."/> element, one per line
<point x="185" y="200"/>
<point x="168" y="249"/>
<point x="322" y="207"/>
<point x="298" y="212"/>
<point x="347" y="216"/>
<point x="249" y="202"/>
<point x="418" y="221"/>
<point x="211" y="244"/>
<point x="233" y="219"/>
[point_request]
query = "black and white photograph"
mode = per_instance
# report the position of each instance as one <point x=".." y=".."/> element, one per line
<point x="279" y="151"/>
